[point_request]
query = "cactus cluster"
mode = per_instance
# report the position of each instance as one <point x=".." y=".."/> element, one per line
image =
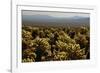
<point x="55" y="43"/>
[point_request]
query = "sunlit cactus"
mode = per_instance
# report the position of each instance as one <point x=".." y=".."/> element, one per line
<point x="26" y="34"/>
<point x="61" y="45"/>
<point x="28" y="56"/>
<point x="55" y="44"/>
<point x="61" y="56"/>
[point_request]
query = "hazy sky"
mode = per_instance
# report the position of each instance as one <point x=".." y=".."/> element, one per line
<point x="54" y="14"/>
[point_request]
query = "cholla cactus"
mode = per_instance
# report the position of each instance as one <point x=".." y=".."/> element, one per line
<point x="27" y="28"/>
<point x="26" y="34"/>
<point x="65" y="38"/>
<point x="28" y="55"/>
<point x="84" y="30"/>
<point x="28" y="42"/>
<point x="61" y="45"/>
<point x="61" y="56"/>
<point x="75" y="52"/>
<point x="82" y="40"/>
<point x="48" y="44"/>
<point x="27" y="60"/>
<point x="43" y="42"/>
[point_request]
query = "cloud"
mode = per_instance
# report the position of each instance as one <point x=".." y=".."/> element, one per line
<point x="55" y="14"/>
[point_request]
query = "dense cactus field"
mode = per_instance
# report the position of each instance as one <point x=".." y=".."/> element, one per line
<point x="41" y="43"/>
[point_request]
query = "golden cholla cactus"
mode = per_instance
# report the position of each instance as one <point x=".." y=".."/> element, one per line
<point x="61" y="56"/>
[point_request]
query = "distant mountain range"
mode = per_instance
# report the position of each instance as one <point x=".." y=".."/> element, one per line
<point x="49" y="20"/>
